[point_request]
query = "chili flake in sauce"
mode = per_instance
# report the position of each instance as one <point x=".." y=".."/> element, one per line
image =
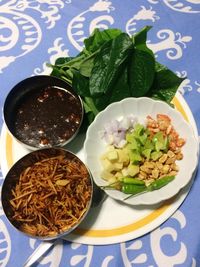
<point x="48" y="116"/>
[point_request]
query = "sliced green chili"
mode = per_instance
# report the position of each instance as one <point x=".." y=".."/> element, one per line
<point x="136" y="189"/>
<point x="160" y="183"/>
<point x="130" y="180"/>
<point x="132" y="188"/>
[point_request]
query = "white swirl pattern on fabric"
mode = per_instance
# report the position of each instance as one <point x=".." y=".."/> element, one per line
<point x="156" y="238"/>
<point x="5" y="244"/>
<point x="184" y="5"/>
<point x="24" y="28"/>
<point x="171" y="42"/>
<point x="142" y="14"/>
<point x="57" y="50"/>
<point x="86" y="258"/>
<point x="75" y="30"/>
<point x="22" y="33"/>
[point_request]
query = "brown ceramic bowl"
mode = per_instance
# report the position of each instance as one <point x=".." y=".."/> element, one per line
<point x="47" y="193"/>
<point x="43" y="111"/>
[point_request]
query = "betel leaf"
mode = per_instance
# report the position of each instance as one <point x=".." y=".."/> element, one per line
<point x="98" y="38"/>
<point x="120" y="90"/>
<point x="90" y="108"/>
<point x="140" y="40"/>
<point x="70" y="62"/>
<point x="141" y="72"/>
<point x="74" y="62"/>
<point x="99" y="69"/>
<point x="107" y="64"/>
<point x="102" y="101"/>
<point x="165" y="84"/>
<point x="113" y="66"/>
<point x="87" y="65"/>
<point x="80" y="84"/>
<point x="56" y="70"/>
<point x="159" y="67"/>
<point x="63" y="60"/>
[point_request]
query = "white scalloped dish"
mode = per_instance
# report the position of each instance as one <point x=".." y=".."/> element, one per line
<point x="140" y="108"/>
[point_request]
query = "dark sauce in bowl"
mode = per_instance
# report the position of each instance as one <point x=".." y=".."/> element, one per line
<point x="47" y="117"/>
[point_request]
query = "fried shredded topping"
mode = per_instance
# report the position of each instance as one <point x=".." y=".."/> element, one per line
<point x="51" y="196"/>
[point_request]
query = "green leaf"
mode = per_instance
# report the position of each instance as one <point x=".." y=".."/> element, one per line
<point x="57" y="67"/>
<point x="165" y="84"/>
<point x="63" y="60"/>
<point x="69" y="62"/>
<point x="75" y="62"/>
<point x="89" y="114"/>
<point x="87" y="108"/>
<point x="66" y="75"/>
<point x="98" y="38"/>
<point x="113" y="66"/>
<point x="120" y="90"/>
<point x="90" y="103"/>
<point x="56" y="72"/>
<point x="107" y="64"/>
<point x="90" y="108"/>
<point x="140" y="39"/>
<point x="141" y="72"/>
<point x="159" y="67"/>
<point x="99" y="70"/>
<point x="90" y="117"/>
<point x="87" y="65"/>
<point x="80" y="84"/>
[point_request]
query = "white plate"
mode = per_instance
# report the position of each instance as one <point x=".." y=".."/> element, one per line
<point x="105" y="223"/>
<point x="95" y="146"/>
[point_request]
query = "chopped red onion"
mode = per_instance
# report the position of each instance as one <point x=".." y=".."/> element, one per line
<point x="114" y="132"/>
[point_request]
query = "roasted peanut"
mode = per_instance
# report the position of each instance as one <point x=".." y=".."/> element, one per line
<point x="179" y="156"/>
<point x="178" y="150"/>
<point x="159" y="165"/>
<point x="170" y="154"/>
<point x="163" y="158"/>
<point x="142" y="175"/>
<point x="175" y="167"/>
<point x="149" y="164"/>
<point x="155" y="173"/>
<point x="165" y="169"/>
<point x="170" y="160"/>
<point x="145" y="169"/>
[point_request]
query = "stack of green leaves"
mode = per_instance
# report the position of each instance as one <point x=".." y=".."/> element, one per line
<point x="113" y="66"/>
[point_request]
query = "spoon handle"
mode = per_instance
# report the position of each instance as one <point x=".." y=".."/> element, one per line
<point x="38" y="252"/>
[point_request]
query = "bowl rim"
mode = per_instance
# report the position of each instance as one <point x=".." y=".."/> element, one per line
<point x="137" y="200"/>
<point x="21" y="84"/>
<point x="20" y="161"/>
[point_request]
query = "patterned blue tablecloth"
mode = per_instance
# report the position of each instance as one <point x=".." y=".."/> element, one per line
<point x="33" y="32"/>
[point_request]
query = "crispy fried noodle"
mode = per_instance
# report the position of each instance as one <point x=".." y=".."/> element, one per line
<point x="51" y="196"/>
